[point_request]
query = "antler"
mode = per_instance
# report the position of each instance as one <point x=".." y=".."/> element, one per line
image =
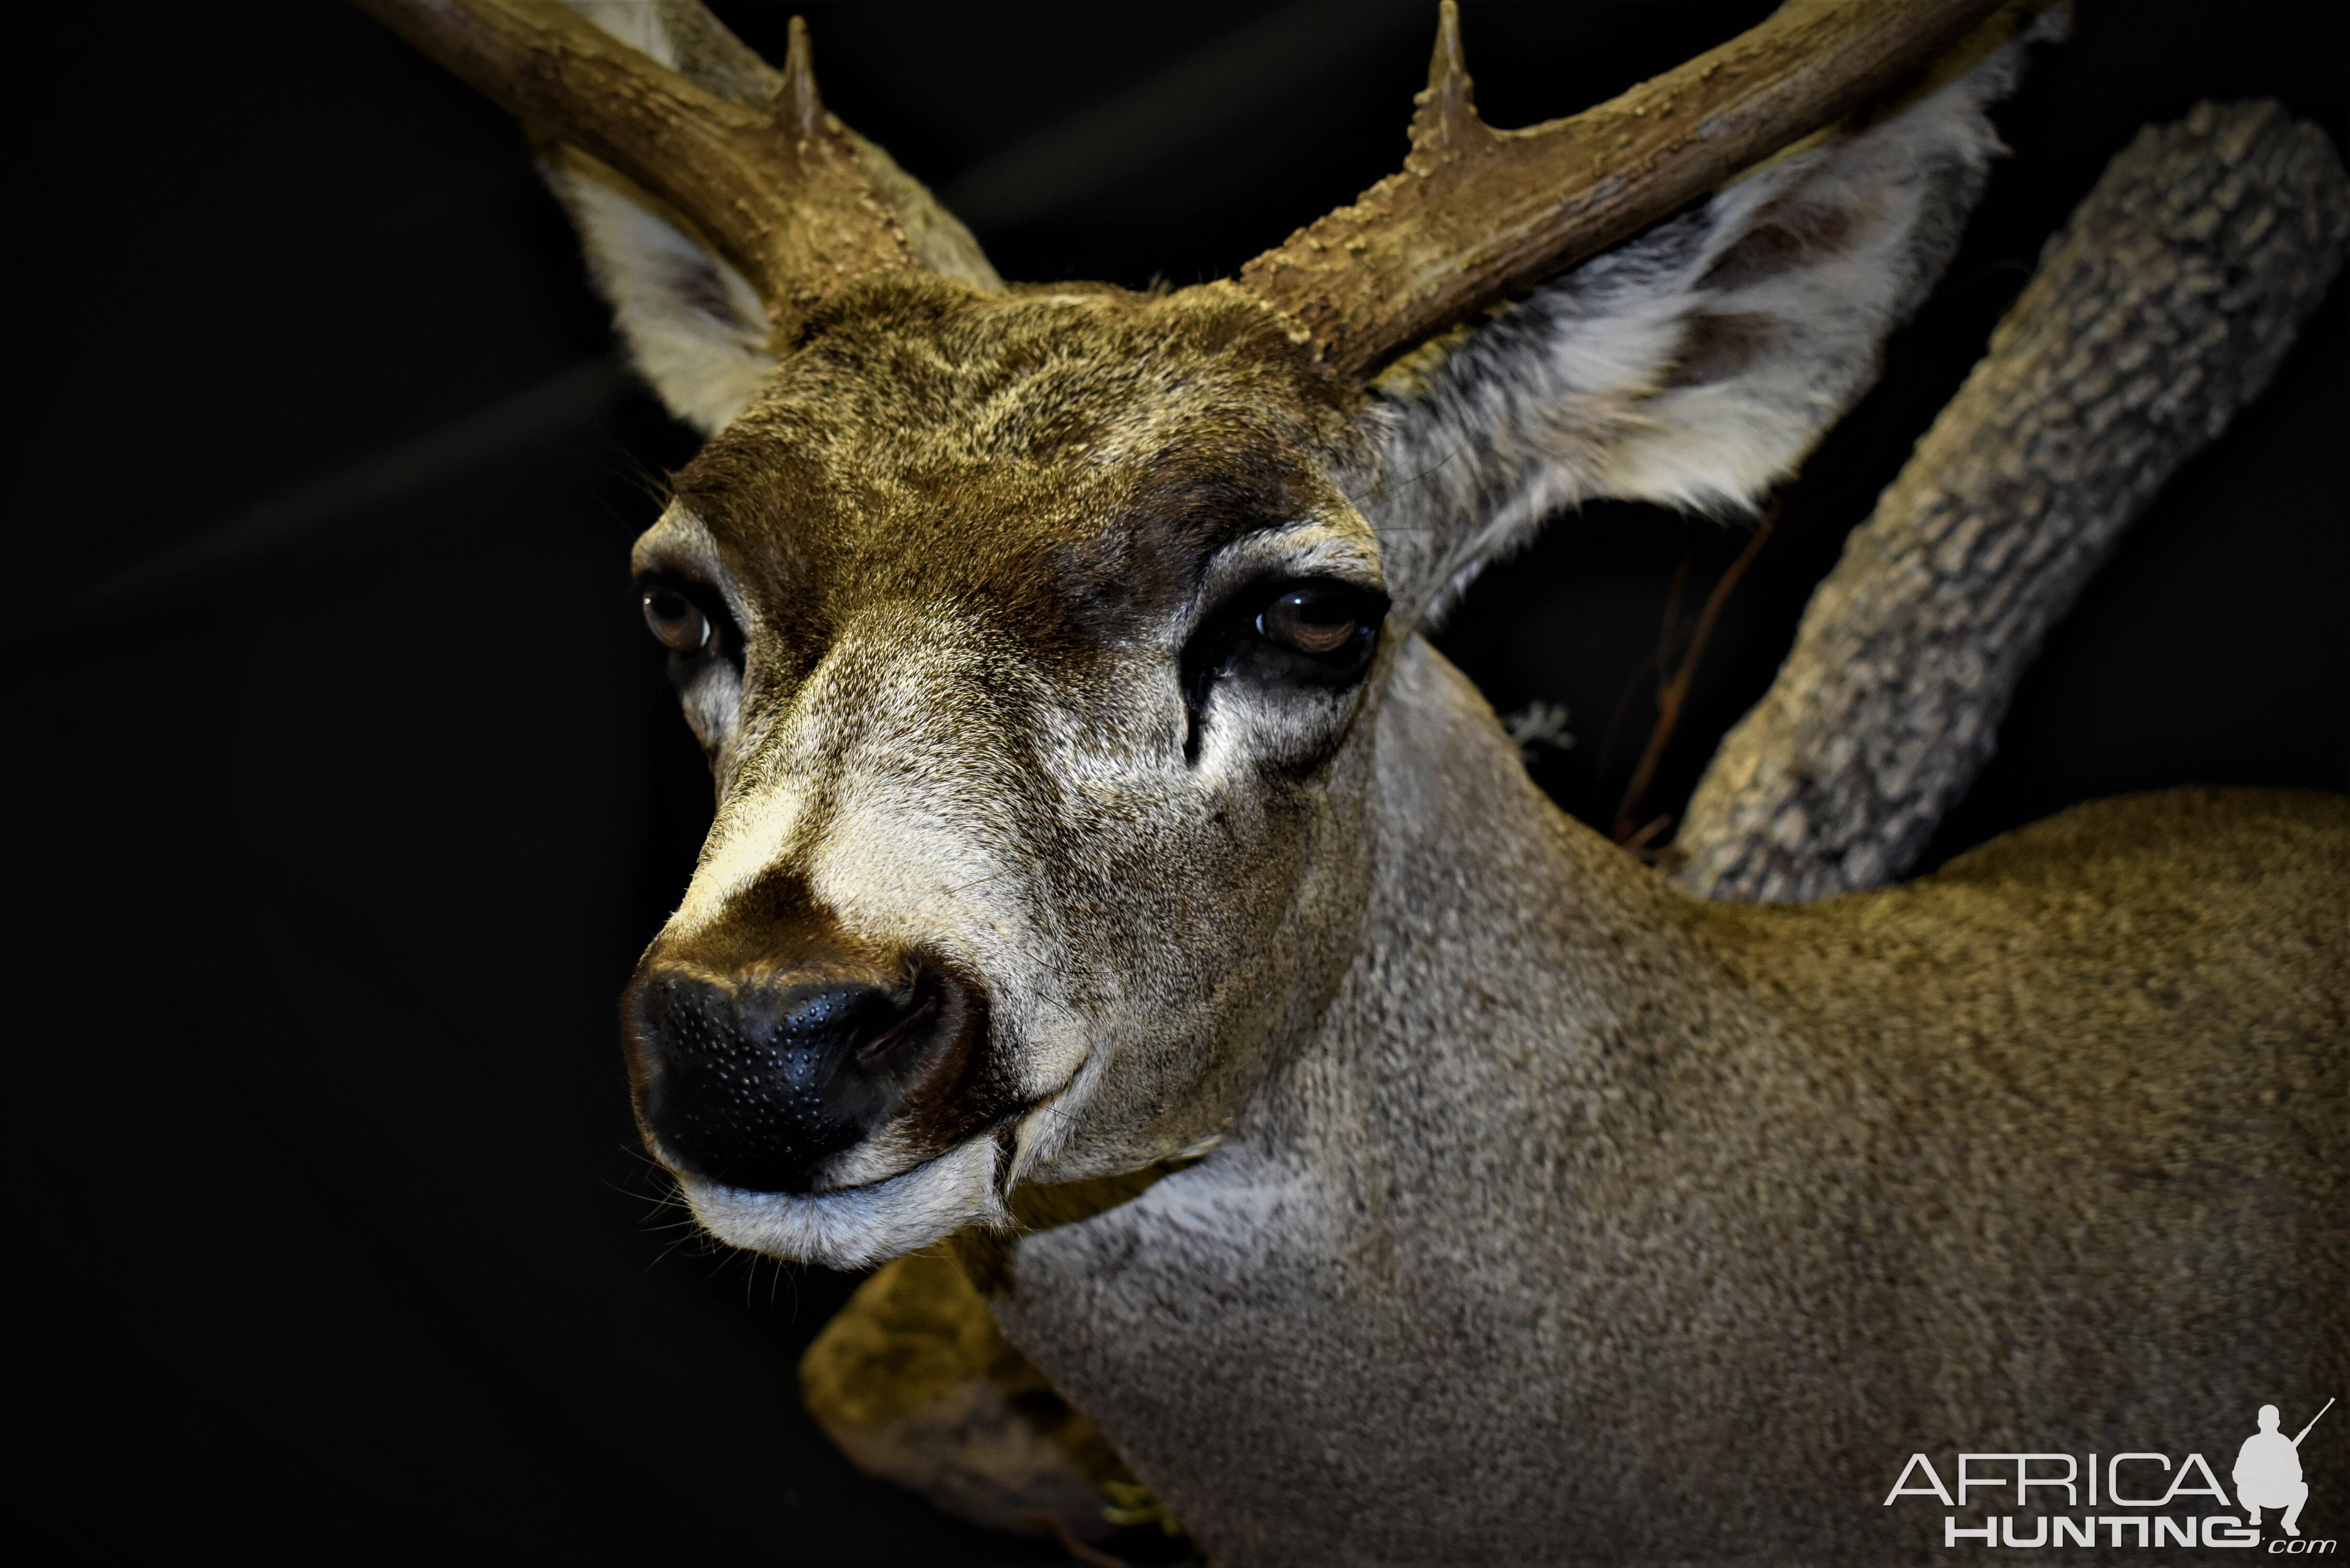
<point x="776" y="185"/>
<point x="790" y="196"/>
<point x="1478" y="213"/>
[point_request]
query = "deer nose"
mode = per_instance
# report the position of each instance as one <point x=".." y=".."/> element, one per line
<point x="756" y="1084"/>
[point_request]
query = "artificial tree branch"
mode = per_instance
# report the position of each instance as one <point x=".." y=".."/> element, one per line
<point x="1673" y="689"/>
<point x="2162" y="307"/>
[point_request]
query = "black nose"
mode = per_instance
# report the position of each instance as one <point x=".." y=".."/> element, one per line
<point x="757" y="1085"/>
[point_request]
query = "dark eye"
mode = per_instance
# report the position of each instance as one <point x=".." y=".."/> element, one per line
<point x="1313" y="633"/>
<point x="675" y="620"/>
<point x="1319" y="620"/>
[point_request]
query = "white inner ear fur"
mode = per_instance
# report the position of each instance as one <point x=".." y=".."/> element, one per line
<point x="636" y="22"/>
<point x="696" y="328"/>
<point x="1679" y="367"/>
<point x="693" y="325"/>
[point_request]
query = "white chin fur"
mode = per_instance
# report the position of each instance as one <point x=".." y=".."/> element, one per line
<point x="858" y="1226"/>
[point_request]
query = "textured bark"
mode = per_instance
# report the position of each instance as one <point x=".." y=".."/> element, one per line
<point x="917" y="1385"/>
<point x="2162" y="307"/>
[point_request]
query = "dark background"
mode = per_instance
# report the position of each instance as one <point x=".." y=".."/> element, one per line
<point x="345" y="784"/>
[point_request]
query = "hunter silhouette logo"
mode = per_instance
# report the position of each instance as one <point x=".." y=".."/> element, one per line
<point x="2130" y="1498"/>
<point x="2268" y="1471"/>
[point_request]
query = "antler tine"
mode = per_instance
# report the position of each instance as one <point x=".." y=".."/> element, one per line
<point x="802" y="108"/>
<point x="1444" y="116"/>
<point x="775" y="186"/>
<point x="1477" y="213"/>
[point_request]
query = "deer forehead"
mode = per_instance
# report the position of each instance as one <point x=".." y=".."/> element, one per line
<point x="1061" y="465"/>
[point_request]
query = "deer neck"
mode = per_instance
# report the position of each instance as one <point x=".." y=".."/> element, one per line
<point x="1535" y="1126"/>
<point x="1516" y="982"/>
<point x="1505" y="949"/>
<point x="1528" y="1065"/>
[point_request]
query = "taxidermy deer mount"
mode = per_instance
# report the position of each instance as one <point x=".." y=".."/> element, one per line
<point x="1109" y="876"/>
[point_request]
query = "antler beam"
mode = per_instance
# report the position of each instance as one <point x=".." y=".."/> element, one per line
<point x="775" y="186"/>
<point x="1478" y="213"/>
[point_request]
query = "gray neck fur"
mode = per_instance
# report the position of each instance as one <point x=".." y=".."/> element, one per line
<point x="1677" y="1251"/>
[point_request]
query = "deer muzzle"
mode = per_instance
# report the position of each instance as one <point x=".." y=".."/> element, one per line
<point x="768" y="1076"/>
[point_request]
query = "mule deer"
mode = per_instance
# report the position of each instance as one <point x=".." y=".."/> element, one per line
<point x="1090" y="804"/>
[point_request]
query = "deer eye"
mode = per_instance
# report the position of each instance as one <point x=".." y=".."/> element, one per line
<point x="677" y="621"/>
<point x="1319" y="620"/>
<point x="1318" y="632"/>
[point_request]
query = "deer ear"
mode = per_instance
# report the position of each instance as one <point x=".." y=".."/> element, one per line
<point x="693" y="323"/>
<point x="1695" y="364"/>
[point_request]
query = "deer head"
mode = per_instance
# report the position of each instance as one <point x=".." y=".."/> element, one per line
<point x="1034" y="634"/>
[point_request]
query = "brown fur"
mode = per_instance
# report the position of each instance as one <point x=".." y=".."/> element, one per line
<point x="2106" y="1050"/>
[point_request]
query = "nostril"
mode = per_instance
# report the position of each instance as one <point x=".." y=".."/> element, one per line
<point x="828" y="1024"/>
<point x="757" y="1085"/>
<point x="918" y="1009"/>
